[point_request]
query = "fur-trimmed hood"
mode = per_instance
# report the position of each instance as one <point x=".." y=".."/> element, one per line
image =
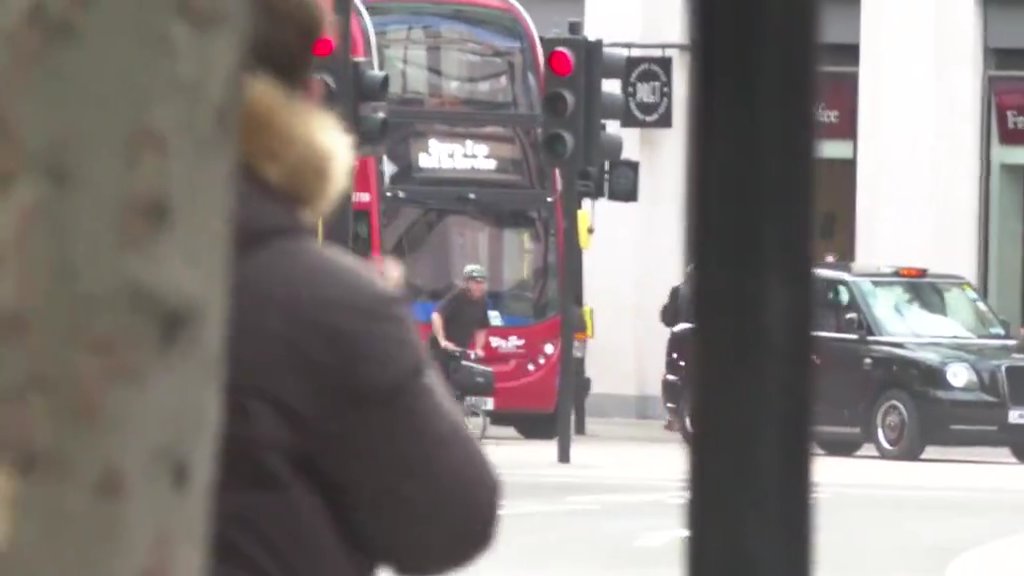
<point x="302" y="153"/>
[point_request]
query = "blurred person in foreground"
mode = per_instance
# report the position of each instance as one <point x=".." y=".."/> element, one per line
<point x="342" y="449"/>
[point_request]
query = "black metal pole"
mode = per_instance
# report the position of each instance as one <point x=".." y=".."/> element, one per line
<point x="571" y="270"/>
<point x="570" y="296"/>
<point x="751" y="177"/>
<point x="337" y="226"/>
<point x="582" y="390"/>
<point x="574" y="252"/>
<point x="346" y="86"/>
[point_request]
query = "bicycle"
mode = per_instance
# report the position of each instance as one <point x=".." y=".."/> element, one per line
<point x="474" y="388"/>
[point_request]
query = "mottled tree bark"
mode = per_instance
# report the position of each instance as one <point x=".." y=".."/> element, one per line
<point x="117" y="145"/>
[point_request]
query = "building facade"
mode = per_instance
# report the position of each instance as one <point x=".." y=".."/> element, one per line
<point x="919" y="161"/>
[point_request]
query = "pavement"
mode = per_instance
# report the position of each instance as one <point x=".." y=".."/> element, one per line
<point x="620" y="509"/>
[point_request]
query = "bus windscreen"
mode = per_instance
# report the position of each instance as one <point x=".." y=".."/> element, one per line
<point x="517" y="247"/>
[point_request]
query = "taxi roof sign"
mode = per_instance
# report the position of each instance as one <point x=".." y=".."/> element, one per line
<point x="911" y="272"/>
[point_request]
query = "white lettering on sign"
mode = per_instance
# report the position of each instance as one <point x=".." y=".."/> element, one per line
<point x="466" y="155"/>
<point x="361" y="198"/>
<point x="506" y="345"/>
<point x="1014" y="120"/>
<point x="648" y="92"/>
<point x="825" y="115"/>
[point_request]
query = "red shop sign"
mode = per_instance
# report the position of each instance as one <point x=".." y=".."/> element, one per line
<point x="835" y="106"/>
<point x="1009" y="105"/>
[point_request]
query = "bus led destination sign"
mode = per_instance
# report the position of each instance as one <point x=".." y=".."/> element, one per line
<point x="465" y="155"/>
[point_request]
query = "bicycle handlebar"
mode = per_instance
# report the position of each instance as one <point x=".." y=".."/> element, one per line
<point x="462" y="354"/>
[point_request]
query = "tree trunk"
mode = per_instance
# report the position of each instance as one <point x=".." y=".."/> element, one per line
<point x="117" y="146"/>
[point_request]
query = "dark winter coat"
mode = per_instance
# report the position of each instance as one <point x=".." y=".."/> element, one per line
<point x="678" y="307"/>
<point x="342" y="449"/>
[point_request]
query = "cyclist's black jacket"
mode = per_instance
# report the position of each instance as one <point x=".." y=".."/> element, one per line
<point x="463" y="317"/>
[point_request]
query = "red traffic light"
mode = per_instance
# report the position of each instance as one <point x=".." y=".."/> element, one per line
<point x="561" y="62"/>
<point x="323" y="47"/>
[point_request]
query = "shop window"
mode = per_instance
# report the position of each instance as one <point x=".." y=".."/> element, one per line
<point x="835" y="170"/>
<point x="1005" y="258"/>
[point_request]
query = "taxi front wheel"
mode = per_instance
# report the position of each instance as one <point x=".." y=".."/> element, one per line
<point x="895" y="427"/>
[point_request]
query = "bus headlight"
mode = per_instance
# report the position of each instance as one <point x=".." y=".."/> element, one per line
<point x="961" y="375"/>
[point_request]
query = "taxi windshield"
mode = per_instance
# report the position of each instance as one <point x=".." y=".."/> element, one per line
<point x="929" y="309"/>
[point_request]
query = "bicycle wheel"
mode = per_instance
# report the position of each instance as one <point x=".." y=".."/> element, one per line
<point x="476" y="421"/>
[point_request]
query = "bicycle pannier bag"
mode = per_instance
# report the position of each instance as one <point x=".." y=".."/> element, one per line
<point x="471" y="379"/>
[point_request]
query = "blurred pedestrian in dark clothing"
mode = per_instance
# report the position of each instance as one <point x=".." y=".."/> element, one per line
<point x="342" y="449"/>
<point x="678" y="307"/>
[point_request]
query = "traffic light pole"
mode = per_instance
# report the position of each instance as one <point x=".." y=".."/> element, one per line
<point x="343" y="73"/>
<point x="562" y="140"/>
<point x="574" y="258"/>
<point x="571" y="270"/>
<point x="573" y="254"/>
<point x="337" y="72"/>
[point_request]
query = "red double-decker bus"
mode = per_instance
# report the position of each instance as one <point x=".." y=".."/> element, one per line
<point x="461" y="181"/>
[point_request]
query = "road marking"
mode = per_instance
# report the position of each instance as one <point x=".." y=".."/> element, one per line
<point x="661" y="537"/>
<point x="590" y="473"/>
<point x="643" y="497"/>
<point x="628" y="497"/>
<point x="515" y="510"/>
<point x="592" y="481"/>
<point x="998" y="558"/>
<point x="918" y="492"/>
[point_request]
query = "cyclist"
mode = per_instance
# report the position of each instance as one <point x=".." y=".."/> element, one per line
<point x="460" y="321"/>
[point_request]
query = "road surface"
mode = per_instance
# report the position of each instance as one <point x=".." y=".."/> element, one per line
<point x="619" y="509"/>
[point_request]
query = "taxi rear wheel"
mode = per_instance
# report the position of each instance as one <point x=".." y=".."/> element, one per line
<point x="840" y="447"/>
<point x="895" y="427"/>
<point x="683" y="414"/>
<point x="1018" y="451"/>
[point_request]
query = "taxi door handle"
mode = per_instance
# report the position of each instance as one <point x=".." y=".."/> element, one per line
<point x="868" y="363"/>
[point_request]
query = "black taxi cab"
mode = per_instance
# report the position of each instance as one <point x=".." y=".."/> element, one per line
<point x="903" y="358"/>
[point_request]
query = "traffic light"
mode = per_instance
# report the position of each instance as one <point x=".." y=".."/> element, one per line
<point x="362" y="105"/>
<point x="369" y="98"/>
<point x="601" y="146"/>
<point x="564" y="86"/>
<point x="623" y="180"/>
